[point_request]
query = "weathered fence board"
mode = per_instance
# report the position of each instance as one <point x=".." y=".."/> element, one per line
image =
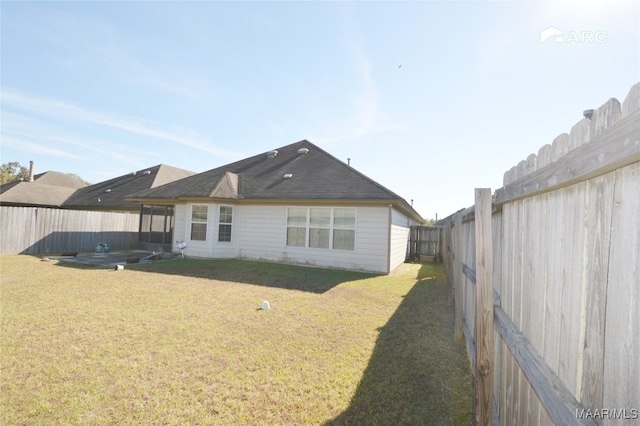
<point x="622" y="327"/>
<point x="426" y="241"/>
<point x="484" y="308"/>
<point x="558" y="400"/>
<point x="41" y="230"/>
<point x="566" y="243"/>
<point x="598" y="245"/>
<point x="458" y="279"/>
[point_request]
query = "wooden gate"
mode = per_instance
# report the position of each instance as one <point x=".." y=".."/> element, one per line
<point x="425" y="241"/>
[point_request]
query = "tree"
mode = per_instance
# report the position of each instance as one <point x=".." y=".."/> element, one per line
<point x="78" y="178"/>
<point x="12" y="171"/>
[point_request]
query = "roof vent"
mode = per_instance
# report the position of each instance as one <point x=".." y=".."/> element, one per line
<point x="302" y="151"/>
<point x="272" y="153"/>
<point x="107" y="190"/>
<point x="288" y="176"/>
<point x="147" y="172"/>
<point x="133" y="173"/>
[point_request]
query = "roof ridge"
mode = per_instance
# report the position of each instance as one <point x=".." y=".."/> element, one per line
<point x="200" y="185"/>
<point x="349" y="167"/>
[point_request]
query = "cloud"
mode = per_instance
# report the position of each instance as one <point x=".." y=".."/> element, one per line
<point x="366" y="114"/>
<point x="76" y="40"/>
<point x="120" y="154"/>
<point x="137" y="72"/>
<point x="26" y="146"/>
<point x="70" y="112"/>
<point x="367" y="108"/>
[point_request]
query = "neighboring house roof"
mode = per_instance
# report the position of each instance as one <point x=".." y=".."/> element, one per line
<point x="300" y="171"/>
<point x="110" y="194"/>
<point x="48" y="189"/>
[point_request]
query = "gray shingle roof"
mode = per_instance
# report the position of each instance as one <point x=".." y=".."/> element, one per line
<point x="49" y="189"/>
<point x="314" y="175"/>
<point x="110" y="194"/>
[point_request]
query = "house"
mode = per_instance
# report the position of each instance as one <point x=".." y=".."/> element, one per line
<point x="48" y="189"/>
<point x="110" y="194"/>
<point x="156" y="223"/>
<point x="296" y="204"/>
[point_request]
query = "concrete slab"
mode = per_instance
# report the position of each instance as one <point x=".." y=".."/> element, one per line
<point x="115" y="258"/>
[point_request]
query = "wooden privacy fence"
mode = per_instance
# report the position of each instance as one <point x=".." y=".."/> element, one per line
<point x="42" y="230"/>
<point x="546" y="279"/>
<point x="425" y="241"/>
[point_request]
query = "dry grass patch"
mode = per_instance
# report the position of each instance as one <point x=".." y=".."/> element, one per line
<point x="183" y="342"/>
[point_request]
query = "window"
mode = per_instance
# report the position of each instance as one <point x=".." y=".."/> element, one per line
<point x="321" y="227"/>
<point x="224" y="223"/>
<point x="199" y="222"/>
<point x="296" y="226"/>
<point x="344" y="229"/>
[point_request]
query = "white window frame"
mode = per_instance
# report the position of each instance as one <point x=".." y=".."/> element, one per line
<point x="335" y="228"/>
<point x="297" y="226"/>
<point x="221" y="223"/>
<point x="309" y="228"/>
<point x="204" y="222"/>
<point x="315" y="229"/>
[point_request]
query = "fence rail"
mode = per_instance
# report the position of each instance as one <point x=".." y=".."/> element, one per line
<point x="42" y="230"/>
<point x="425" y="241"/>
<point x="559" y="249"/>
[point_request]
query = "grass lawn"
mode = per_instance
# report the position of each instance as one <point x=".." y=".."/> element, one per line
<point x="183" y="342"/>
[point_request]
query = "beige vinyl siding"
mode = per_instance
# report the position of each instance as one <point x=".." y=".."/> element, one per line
<point x="399" y="238"/>
<point x="211" y="248"/>
<point x="259" y="233"/>
<point x="180" y="226"/>
<point x="224" y="249"/>
<point x="262" y="236"/>
<point x="262" y="231"/>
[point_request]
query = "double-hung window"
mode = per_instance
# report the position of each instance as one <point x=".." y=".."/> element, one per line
<point x="344" y="228"/>
<point x="199" y="222"/>
<point x="224" y="223"/>
<point x="296" y="226"/>
<point x="321" y="227"/>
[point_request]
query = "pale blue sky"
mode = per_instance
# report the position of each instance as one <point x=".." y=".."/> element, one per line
<point x="431" y="99"/>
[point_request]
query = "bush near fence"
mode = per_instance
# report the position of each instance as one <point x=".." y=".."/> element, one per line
<point x="44" y="230"/>
<point x="559" y="341"/>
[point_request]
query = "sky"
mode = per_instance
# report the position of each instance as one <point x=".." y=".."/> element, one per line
<point x="429" y="98"/>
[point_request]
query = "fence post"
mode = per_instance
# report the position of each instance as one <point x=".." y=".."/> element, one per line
<point x="448" y="259"/>
<point x="484" y="309"/>
<point x="458" y="278"/>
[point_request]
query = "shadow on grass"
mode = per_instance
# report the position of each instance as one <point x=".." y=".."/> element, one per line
<point x="416" y="374"/>
<point x="315" y="280"/>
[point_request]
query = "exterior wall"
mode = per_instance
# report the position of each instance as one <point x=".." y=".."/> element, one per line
<point x="259" y="233"/>
<point x="399" y="238"/>
<point x="179" y="226"/>
<point x="263" y="232"/>
<point x="211" y="248"/>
